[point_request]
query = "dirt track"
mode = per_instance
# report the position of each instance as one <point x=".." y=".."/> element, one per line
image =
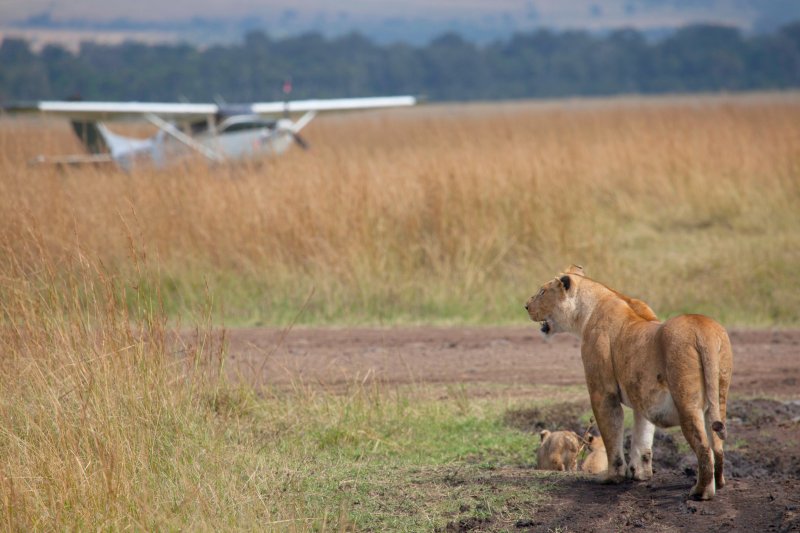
<point x="762" y="461"/>
<point x="764" y="362"/>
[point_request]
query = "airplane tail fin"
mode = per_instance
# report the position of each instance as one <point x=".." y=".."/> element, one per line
<point x="98" y="139"/>
<point x="90" y="135"/>
<point x="121" y="146"/>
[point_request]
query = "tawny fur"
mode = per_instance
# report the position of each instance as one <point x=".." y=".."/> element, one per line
<point x="596" y="462"/>
<point x="558" y="451"/>
<point x="673" y="373"/>
<point x="638" y="306"/>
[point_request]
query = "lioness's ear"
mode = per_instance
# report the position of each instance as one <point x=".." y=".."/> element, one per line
<point x="576" y="269"/>
<point x="565" y="281"/>
<point x="543" y="434"/>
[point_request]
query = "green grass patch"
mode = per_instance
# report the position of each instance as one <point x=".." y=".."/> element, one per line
<point x="383" y="460"/>
<point x="110" y="420"/>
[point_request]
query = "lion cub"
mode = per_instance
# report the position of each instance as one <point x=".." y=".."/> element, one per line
<point x="558" y="451"/>
<point x="596" y="462"/>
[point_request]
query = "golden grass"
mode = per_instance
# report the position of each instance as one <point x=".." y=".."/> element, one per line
<point x="94" y="410"/>
<point x="110" y="422"/>
<point x="448" y="213"/>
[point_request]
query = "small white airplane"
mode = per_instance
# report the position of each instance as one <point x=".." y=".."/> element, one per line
<point x="218" y="132"/>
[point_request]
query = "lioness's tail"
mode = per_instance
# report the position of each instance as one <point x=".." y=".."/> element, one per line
<point x="710" y="350"/>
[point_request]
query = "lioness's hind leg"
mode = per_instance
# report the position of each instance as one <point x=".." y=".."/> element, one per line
<point x="641" y="467"/>
<point x="726" y="357"/>
<point x="717" y="442"/>
<point x="719" y="458"/>
<point x="694" y="429"/>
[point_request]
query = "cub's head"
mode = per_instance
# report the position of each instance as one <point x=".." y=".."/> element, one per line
<point x="551" y="304"/>
<point x="595" y="442"/>
<point x="558" y="450"/>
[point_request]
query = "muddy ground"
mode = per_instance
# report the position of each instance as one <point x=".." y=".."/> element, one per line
<point x="763" y="449"/>
<point x="762" y="464"/>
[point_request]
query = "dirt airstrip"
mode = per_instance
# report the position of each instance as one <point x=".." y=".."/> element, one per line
<point x="762" y="459"/>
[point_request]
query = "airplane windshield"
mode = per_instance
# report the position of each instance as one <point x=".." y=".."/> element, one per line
<point x="244" y="123"/>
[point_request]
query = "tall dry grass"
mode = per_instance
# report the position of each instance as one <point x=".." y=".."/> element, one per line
<point x="111" y="421"/>
<point x="102" y="424"/>
<point x="439" y="213"/>
<point x="449" y="213"/>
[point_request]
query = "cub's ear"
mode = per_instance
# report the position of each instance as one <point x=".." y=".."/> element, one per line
<point x="590" y="438"/>
<point x="543" y="434"/>
<point x="576" y="269"/>
<point x="566" y="282"/>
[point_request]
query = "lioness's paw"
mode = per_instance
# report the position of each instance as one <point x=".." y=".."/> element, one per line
<point x="617" y="472"/>
<point x="640" y="472"/>
<point x="698" y="493"/>
<point x="613" y="480"/>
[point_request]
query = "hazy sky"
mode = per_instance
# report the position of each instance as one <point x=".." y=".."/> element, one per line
<point x="481" y="18"/>
<point x="549" y="12"/>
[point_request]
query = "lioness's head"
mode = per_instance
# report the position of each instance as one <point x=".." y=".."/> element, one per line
<point x="551" y="304"/>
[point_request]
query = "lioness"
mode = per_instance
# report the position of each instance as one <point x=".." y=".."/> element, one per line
<point x="558" y="451"/>
<point x="596" y="462"/>
<point x="670" y="373"/>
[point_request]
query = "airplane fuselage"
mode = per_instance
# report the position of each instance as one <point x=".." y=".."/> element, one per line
<point x="238" y="137"/>
<point x="247" y="143"/>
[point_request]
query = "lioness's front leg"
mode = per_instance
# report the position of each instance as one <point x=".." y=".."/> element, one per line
<point x="610" y="420"/>
<point x="606" y="402"/>
<point x="641" y="466"/>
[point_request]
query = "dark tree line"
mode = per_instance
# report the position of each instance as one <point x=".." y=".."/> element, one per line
<point x="538" y="64"/>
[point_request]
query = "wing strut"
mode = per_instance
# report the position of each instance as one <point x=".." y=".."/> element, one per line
<point x="303" y="121"/>
<point x="177" y="134"/>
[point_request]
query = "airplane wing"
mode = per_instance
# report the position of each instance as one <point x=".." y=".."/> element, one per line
<point x="95" y="111"/>
<point x="99" y="111"/>
<point x="335" y="104"/>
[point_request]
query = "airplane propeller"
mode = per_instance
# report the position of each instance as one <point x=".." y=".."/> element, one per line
<point x="292" y="128"/>
<point x="302" y="143"/>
